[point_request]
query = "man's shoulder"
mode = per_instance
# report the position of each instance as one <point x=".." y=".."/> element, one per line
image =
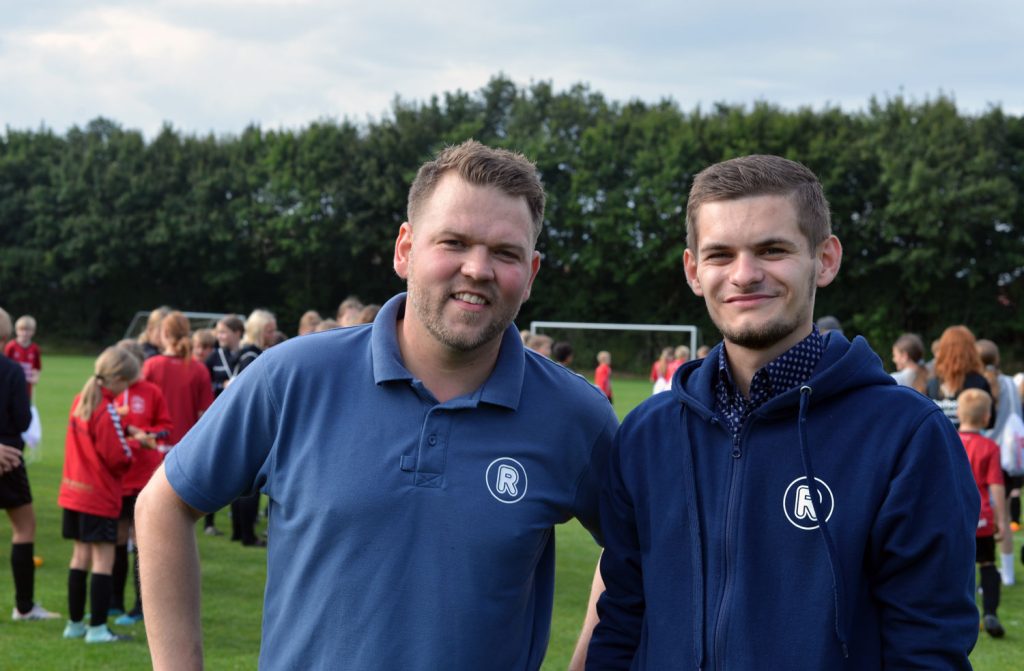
<point x="549" y="383"/>
<point x="328" y="351"/>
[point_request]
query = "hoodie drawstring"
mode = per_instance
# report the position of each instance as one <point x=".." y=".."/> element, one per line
<point x="838" y="587"/>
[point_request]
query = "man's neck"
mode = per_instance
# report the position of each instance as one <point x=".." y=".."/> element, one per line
<point x="968" y="428"/>
<point x="445" y="372"/>
<point x="745" y="362"/>
<point x="25" y="344"/>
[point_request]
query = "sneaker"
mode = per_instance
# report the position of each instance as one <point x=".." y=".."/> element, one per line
<point x="128" y="619"/>
<point x="992" y="626"/>
<point x="37" y="613"/>
<point x="102" y="634"/>
<point x="1014" y="527"/>
<point x="213" y="531"/>
<point x="74" y="629"/>
<point x="114" y="612"/>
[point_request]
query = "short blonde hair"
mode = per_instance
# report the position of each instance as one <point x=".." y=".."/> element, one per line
<point x="974" y="407"/>
<point x="26" y="321"/>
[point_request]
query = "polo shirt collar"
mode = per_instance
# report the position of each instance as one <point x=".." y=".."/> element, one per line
<point x="503" y="387"/>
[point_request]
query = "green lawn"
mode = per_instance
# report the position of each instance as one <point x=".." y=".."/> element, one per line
<point x="233" y="576"/>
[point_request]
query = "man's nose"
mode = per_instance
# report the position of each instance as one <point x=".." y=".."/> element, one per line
<point x="746" y="270"/>
<point x="477" y="264"/>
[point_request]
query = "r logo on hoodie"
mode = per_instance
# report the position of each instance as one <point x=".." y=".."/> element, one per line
<point x="799" y="507"/>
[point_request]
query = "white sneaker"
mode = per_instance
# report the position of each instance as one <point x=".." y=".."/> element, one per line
<point x="37" y="613"/>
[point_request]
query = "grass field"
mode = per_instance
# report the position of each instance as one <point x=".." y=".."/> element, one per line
<point x="233" y="576"/>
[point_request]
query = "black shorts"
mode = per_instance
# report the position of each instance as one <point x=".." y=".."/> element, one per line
<point x="14" y="489"/>
<point x="985" y="549"/>
<point x="128" y="507"/>
<point x="87" y="528"/>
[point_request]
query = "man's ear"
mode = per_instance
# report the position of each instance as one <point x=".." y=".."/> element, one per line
<point x="403" y="245"/>
<point x="690" y="268"/>
<point x="830" y="257"/>
<point x="534" y="269"/>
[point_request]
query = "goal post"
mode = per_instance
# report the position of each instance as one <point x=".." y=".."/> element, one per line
<point x="637" y="360"/>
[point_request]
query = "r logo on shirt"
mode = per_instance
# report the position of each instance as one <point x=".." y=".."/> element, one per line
<point x="506" y="480"/>
<point x="799" y="507"/>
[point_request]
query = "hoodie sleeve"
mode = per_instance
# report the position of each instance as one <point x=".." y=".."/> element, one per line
<point x="621" y="608"/>
<point x="922" y="553"/>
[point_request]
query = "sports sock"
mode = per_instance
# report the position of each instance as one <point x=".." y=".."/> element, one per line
<point x="137" y="609"/>
<point x="24" y="569"/>
<point x="1006" y="567"/>
<point x="119" y="576"/>
<point x="1015" y="509"/>
<point x="990" y="585"/>
<point x="99" y="599"/>
<point x="76" y="594"/>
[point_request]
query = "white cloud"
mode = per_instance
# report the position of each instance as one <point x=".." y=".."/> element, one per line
<point x="220" y="64"/>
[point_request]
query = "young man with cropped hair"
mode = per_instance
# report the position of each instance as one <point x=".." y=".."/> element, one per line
<point x="783" y="503"/>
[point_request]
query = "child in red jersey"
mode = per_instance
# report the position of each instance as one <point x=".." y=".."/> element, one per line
<point x="23" y="351"/>
<point x="974" y="409"/>
<point x="147" y="423"/>
<point x="185" y="383"/>
<point x="96" y="457"/>
<point x="603" y="373"/>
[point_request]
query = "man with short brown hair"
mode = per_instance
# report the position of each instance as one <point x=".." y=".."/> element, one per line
<point x="786" y="504"/>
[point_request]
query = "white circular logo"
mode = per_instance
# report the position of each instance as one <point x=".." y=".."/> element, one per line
<point x="506" y="480"/>
<point x="799" y="508"/>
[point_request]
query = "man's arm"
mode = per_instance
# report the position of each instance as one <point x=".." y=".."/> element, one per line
<point x="169" y="564"/>
<point x="579" y="655"/>
<point x="924" y="537"/>
<point x="620" y="611"/>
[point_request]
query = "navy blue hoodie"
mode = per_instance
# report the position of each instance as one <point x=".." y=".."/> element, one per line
<point x="715" y="557"/>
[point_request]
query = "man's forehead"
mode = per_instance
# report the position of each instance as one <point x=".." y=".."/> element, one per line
<point x="762" y="218"/>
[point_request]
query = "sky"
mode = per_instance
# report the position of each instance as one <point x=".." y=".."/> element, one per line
<point x="220" y="65"/>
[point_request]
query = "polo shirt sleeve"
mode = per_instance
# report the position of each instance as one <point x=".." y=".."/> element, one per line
<point x="227" y="453"/>
<point x="588" y="488"/>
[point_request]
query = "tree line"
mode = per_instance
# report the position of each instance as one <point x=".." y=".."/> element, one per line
<point x="99" y="222"/>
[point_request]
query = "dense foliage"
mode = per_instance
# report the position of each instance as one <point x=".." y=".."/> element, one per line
<point x="99" y="222"/>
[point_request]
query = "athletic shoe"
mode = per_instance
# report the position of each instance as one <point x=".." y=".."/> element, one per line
<point x="114" y="612"/>
<point x="37" y="613"/>
<point x="992" y="626"/>
<point x="128" y="619"/>
<point x="74" y="629"/>
<point x="1014" y="527"/>
<point x="213" y="531"/>
<point x="102" y="634"/>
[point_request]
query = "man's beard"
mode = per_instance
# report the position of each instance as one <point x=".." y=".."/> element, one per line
<point x="761" y="337"/>
<point x="430" y="311"/>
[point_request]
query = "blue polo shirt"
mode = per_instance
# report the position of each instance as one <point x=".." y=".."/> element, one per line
<point x="403" y="533"/>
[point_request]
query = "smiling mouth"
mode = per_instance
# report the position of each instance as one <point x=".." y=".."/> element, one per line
<point x="748" y="298"/>
<point x="472" y="299"/>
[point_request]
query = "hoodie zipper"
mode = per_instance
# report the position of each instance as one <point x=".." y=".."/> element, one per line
<point x="718" y="644"/>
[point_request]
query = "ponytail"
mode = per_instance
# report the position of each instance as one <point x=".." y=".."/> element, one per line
<point x="89" y="398"/>
<point x="113" y="363"/>
<point x="177" y="333"/>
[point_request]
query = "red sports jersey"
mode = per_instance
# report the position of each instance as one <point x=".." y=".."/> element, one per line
<point x="984" y="457"/>
<point x="186" y="388"/>
<point x="28" y="357"/>
<point x="96" y="457"/>
<point x="142" y="405"/>
<point x="603" y="378"/>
